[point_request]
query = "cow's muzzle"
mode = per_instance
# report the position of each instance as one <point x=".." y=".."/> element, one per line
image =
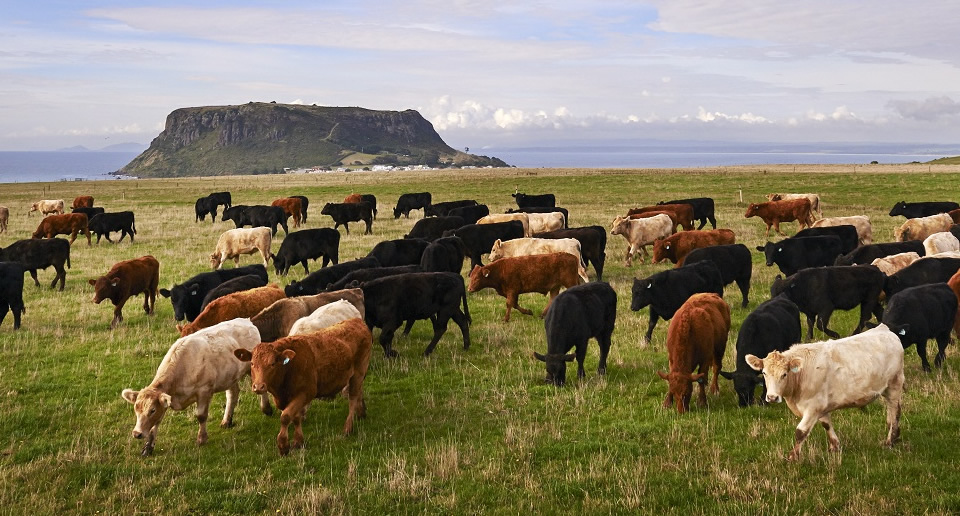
<point x="773" y="398"/>
<point x="137" y="434"/>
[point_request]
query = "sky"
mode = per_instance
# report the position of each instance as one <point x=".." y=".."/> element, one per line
<point x="492" y="73"/>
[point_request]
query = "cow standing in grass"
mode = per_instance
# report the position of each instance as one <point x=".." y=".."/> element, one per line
<point x="125" y="280"/>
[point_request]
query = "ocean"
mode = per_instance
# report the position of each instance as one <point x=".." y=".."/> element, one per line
<point x="22" y="167"/>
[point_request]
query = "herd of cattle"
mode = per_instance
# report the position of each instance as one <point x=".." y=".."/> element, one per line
<point x="313" y="338"/>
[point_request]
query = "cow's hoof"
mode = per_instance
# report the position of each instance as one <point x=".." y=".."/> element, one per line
<point x="226" y="424"/>
<point x="146" y="451"/>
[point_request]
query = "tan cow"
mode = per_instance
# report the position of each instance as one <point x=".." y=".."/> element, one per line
<point x="531" y="246"/>
<point x="861" y="222"/>
<point x="275" y="321"/>
<point x="815" y="208"/>
<point x="507" y="217"/>
<point x="941" y="242"/>
<point x="640" y="233"/>
<point x="48" y="206"/>
<point x="544" y="222"/>
<point x="890" y="264"/>
<point x="325" y="317"/>
<point x="922" y="227"/>
<point x="234" y="242"/>
<point x="4" y="216"/>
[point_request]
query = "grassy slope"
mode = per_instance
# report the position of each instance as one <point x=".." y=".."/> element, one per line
<point x="468" y="431"/>
<point x="954" y="160"/>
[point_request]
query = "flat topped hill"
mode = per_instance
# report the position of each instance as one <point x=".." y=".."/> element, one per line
<point x="258" y="138"/>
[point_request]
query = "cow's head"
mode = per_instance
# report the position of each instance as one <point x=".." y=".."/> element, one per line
<point x="182" y="297"/>
<point x="774" y="197"/>
<point x="105" y="287"/>
<point x="149" y="405"/>
<point x="745" y="384"/>
<point x="478" y="278"/>
<point x="681" y="387"/>
<point x="780" y="285"/>
<point x="215" y="261"/>
<point x="771" y="250"/>
<point x="641" y="293"/>
<point x="39" y="232"/>
<point x="496" y="250"/>
<point x="295" y="288"/>
<point x="779" y="372"/>
<point x="556" y="366"/>
<point x="619" y="225"/>
<point x="663" y="249"/>
<point x="268" y="365"/>
<point x="278" y="264"/>
<point x="751" y="210"/>
<point x="898" y="209"/>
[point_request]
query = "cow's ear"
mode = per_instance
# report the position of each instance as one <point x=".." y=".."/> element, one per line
<point x="486" y="273"/>
<point x="164" y="292"/>
<point x="288" y="355"/>
<point x="795" y="365"/>
<point x="243" y="355"/>
<point x="754" y="362"/>
<point x="130" y="395"/>
<point x="663" y="375"/>
<point x="539" y="357"/>
<point x="760" y="248"/>
<point x="114" y="282"/>
<point x="165" y="400"/>
<point x="92" y="282"/>
<point x="496" y="244"/>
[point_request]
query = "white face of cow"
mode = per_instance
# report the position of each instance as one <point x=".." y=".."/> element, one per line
<point x="778" y="373"/>
<point x="149" y="405"/>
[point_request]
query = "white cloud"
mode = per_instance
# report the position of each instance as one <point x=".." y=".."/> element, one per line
<point x="930" y="109"/>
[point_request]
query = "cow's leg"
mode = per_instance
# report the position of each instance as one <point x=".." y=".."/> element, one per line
<point x="87" y="231"/>
<point x="803" y="430"/>
<point x="73" y="236"/>
<point x="744" y="285"/>
<point x="202" y="411"/>
<point x="627" y="260"/>
<point x="146" y="301"/>
<point x="107" y="236"/>
<point x="643" y="253"/>
<point x="581" y="356"/>
<point x="668" y="401"/>
<point x="439" y="328"/>
<point x="832" y="438"/>
<point x="823" y="319"/>
<point x="892" y="398"/>
<point x="233" y="393"/>
<point x="942" y="340"/>
<point x="702" y="389"/>
<point x="516" y="304"/>
<point x="553" y="293"/>
<point x="265" y="407"/>
<point x="147" y="449"/>
<point x="33" y="274"/>
<point x="306" y="270"/>
<point x="61" y="275"/>
<point x="776" y="226"/>
<point x="654" y="317"/>
<point x="408" y="326"/>
<point x="717" y="363"/>
<point x="117" y="316"/>
<point x="767" y="234"/>
<point x="811" y="318"/>
<point x="604" y="342"/>
<point x="18" y="311"/>
<point x="461" y="319"/>
<point x="922" y="351"/>
<point x="369" y="230"/>
<point x="347" y="227"/>
<point x="386" y="339"/>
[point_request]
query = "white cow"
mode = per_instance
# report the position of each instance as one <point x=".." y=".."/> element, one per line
<point x="921" y="227"/>
<point x="890" y="264"/>
<point x="813" y="198"/>
<point x="194" y="369"/>
<point x="326" y="316"/>
<point x="817" y="378"/>
<point x="861" y="222"/>
<point x="543" y="222"/>
<point x="507" y="217"/>
<point x="531" y="246"/>
<point x="942" y="242"/>
<point x="48" y="206"/>
<point x="234" y="242"/>
<point x="642" y="232"/>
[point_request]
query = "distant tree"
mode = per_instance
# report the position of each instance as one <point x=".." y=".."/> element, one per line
<point x="466" y="149"/>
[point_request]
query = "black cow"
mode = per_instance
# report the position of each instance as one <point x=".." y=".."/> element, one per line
<point x="317" y="281"/>
<point x="702" y="209"/>
<point x="105" y="223"/>
<point x="441" y="209"/>
<point x="593" y="244"/>
<point x="238" y="284"/>
<point x="773" y="326"/>
<point x="912" y="210"/>
<point x="849" y="239"/>
<point x="795" y="254"/>
<point x="307" y="244"/>
<point x="470" y="214"/>
<point x="221" y="199"/>
<point x="542" y="209"/>
<point x="266" y="216"/>
<point x="35" y="254"/>
<point x="921" y="313"/>
<point x="187" y="297"/>
<point x="411" y="201"/>
<point x="372" y="201"/>
<point x="444" y="255"/>
<point x="922" y="272"/>
<point x="665" y="291"/>
<point x="89" y="212"/>
<point x="391" y="253"/>
<point x="734" y="262"/>
<point x="530" y="201"/>
<point x="345" y="212"/>
<point x="204" y="206"/>
<point x="479" y="238"/>
<point x="432" y="228"/>
<point x="11" y="292"/>
<point x="390" y="301"/>
<point x="819" y="291"/>
<point x="866" y="254"/>
<point x="574" y="316"/>
<point x="234" y="213"/>
<point x="361" y="276"/>
<point x="955" y="231"/>
<point x="304" y="203"/>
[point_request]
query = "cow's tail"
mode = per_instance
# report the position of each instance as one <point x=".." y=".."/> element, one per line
<point x="68" y="258"/>
<point x="133" y="225"/>
<point x="466" y="309"/>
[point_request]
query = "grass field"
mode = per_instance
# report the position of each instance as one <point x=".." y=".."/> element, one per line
<point x="472" y="431"/>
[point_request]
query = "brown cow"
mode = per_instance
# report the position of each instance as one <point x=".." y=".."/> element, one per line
<point x="775" y="212"/>
<point x="696" y="341"/>
<point x="276" y="320"/>
<point x="246" y="303"/>
<point x="82" y="201"/>
<point x="954" y="283"/>
<point x="291" y="207"/>
<point x="298" y="369"/>
<point x="955" y="215"/>
<point x="683" y="212"/>
<point x="676" y="247"/>
<point x="353" y="198"/>
<point x="65" y="224"/>
<point x="125" y="280"/>
<point x="543" y="273"/>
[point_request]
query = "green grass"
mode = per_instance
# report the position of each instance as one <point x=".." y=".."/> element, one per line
<point x="462" y="431"/>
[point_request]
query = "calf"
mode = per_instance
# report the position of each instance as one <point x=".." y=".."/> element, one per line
<point x="11" y="292"/>
<point x="666" y="291"/>
<point x="4" y="217"/>
<point x="105" y="223"/>
<point x="532" y="246"/>
<point x="317" y="281"/>
<point x="82" y="201"/>
<point x="542" y="273"/>
<point x="125" y="280"/>
<point x="307" y="244"/>
<point x="734" y="262"/>
<point x="815" y="207"/>
<point x="246" y="303"/>
<point x="523" y="218"/>
<point x="543" y="210"/>
<point x="298" y="369"/>
<point x="593" y="244"/>
<point x="276" y="320"/>
<point x="913" y="210"/>
<point x="774" y="212"/>
<point x="326" y="316"/>
<point x="820" y="291"/>
<point x="794" y="254"/>
<point x="639" y="233"/>
<point x="90" y="212"/>
<point x="942" y="242"/>
<point x="48" y="206"/>
<point x="344" y="213"/>
<point x="444" y="255"/>
<point x="922" y="272"/>
<point x="411" y="201"/>
<point x="703" y="208"/>
<point x="65" y="224"/>
<point x="238" y="284"/>
<point x="682" y="213"/>
<point x="849" y="240"/>
<point x="892" y="264"/>
<point x="187" y="297"/>
<point x="696" y="341"/>
<point x="479" y="238"/>
<point x="925" y="312"/>
<point x="193" y="370"/>
<point x="40" y="254"/>
<point x="291" y="208"/>
<point x="676" y="247"/>
<point x="234" y="242"/>
<point x="921" y="227"/>
<point x="392" y="253"/>
<point x="432" y="228"/>
<point x="576" y="315"/>
<point x="529" y="201"/>
<point x="816" y="379"/>
<point x="861" y="224"/>
<point x="868" y="253"/>
<point x="442" y="209"/>
<point x="470" y="214"/>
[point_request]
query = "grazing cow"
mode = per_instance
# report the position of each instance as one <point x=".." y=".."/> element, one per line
<point x="344" y="213"/>
<point x="914" y="210"/>
<point x="40" y="254"/>
<point x="125" y="280"/>
<point x="238" y="284"/>
<point x="523" y="218"/>
<point x="703" y="209"/>
<point x="234" y="242"/>
<point x="530" y="201"/>
<point x="392" y="253"/>
<point x="442" y="209"/>
<point x="479" y="238"/>
<point x="639" y="233"/>
<point x="326" y="316"/>
<point x="815" y="207"/>
<point x="193" y="370"/>
<point x="849" y="240"/>
<point x="411" y="201"/>
<point x="542" y="209"/>
<point x="266" y="216"/>
<point x="820" y="291"/>
<point x="860" y="222"/>
<point x="541" y="273"/>
<point x="794" y="254"/>
<point x="696" y="341"/>
<point x="276" y="320"/>
<point x="372" y="201"/>
<point x="298" y="369"/>
<point x="532" y="246"/>
<point x="221" y="199"/>
<point x="817" y="378"/>
<point x="676" y="247"/>
<point x="187" y="297"/>
<point x="308" y="244"/>
<point x="576" y="315"/>
<point x="82" y="201"/>
<point x="444" y="255"/>
<point x="593" y="244"/>
<point x="682" y="213"/>
<point x="48" y="206"/>
<point x="304" y="203"/>
<point x="954" y="283"/>
<point x="436" y="296"/>
<point x="942" y="242"/>
<point x="65" y="224"/>
<point x="734" y="262"/>
<point x="317" y="281"/>
<point x="925" y="312"/>
<point x="4" y="217"/>
<point x="774" y="212"/>
<point x="544" y="222"/>
<point x="773" y="325"/>
<point x="432" y="228"/>
<point x="868" y="253"/>
<point x="893" y="263"/>
<point x="246" y="303"/>
<point x="921" y="227"/>
<point x="11" y="292"/>
<point x="353" y="198"/>
<point x="666" y="291"/>
<point x="921" y="272"/>
<point x="470" y="214"/>
<point x="360" y="276"/>
<point x="234" y="213"/>
<point x="204" y="206"/>
<point x="291" y="208"/>
<point x="105" y="223"/>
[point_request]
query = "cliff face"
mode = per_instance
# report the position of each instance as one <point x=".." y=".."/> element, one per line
<point x="263" y="138"/>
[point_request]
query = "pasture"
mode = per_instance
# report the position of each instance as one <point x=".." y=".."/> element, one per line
<point x="473" y="431"/>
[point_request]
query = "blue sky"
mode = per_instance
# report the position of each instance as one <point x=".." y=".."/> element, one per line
<point x="492" y="73"/>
